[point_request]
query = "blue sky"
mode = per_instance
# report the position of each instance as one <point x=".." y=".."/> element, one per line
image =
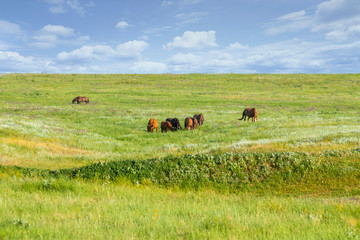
<point x="180" y="36"/>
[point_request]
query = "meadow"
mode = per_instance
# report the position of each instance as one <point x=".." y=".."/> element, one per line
<point x="93" y="170"/>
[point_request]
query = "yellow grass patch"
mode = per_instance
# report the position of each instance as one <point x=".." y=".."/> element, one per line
<point x="7" y="160"/>
<point x="53" y="149"/>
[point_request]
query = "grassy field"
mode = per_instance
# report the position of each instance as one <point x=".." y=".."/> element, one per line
<point x="42" y="129"/>
<point x="313" y="116"/>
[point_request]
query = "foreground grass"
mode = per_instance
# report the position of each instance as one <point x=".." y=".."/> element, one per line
<point x="70" y="209"/>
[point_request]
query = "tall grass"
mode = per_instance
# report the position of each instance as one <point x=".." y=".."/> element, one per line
<point x="61" y="209"/>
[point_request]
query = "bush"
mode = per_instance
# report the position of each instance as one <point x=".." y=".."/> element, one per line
<point x="226" y="171"/>
<point x="201" y="170"/>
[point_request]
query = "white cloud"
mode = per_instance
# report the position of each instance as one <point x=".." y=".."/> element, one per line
<point x="337" y="35"/>
<point x="131" y="49"/>
<point x="238" y="46"/>
<point x="53" y="35"/>
<point x="57" y="9"/>
<point x="335" y="20"/>
<point x="144" y="37"/>
<point x="15" y="62"/>
<point x="209" y="62"/>
<point x="127" y="50"/>
<point x="123" y="58"/>
<point x="185" y="59"/>
<point x="122" y="25"/>
<point x="193" y="40"/>
<point x="16" y="57"/>
<point x="9" y="28"/>
<point x="335" y="10"/>
<point x="61" y="6"/>
<point x="148" y="67"/>
<point x="291" y="22"/>
<point x="167" y="3"/>
<point x="88" y="53"/>
<point x="293" y="16"/>
<point x="83" y="39"/>
<point x="190" y="2"/>
<point x="292" y="56"/>
<point x="75" y="5"/>
<point x="57" y="30"/>
<point x="45" y="41"/>
<point x="193" y="17"/>
<point x="156" y="30"/>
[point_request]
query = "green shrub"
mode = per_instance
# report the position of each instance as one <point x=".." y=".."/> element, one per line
<point x="225" y="172"/>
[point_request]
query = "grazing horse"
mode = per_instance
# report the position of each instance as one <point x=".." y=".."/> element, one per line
<point x="81" y="99"/>
<point x="195" y="122"/>
<point x="153" y="123"/>
<point x="200" y="118"/>
<point x="189" y="124"/>
<point x="174" y="122"/>
<point x="250" y="113"/>
<point x="165" y="126"/>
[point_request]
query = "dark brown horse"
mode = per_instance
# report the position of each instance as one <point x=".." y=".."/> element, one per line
<point x="165" y="126"/>
<point x="152" y="124"/>
<point x="80" y="99"/>
<point x="174" y="122"/>
<point x="250" y="113"/>
<point x="200" y="118"/>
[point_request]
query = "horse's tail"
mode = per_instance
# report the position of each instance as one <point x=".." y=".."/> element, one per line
<point x="243" y="116"/>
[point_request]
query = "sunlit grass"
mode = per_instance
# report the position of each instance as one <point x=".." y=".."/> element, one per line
<point x="50" y="208"/>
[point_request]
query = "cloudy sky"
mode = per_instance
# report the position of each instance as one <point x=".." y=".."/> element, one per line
<point x="180" y="36"/>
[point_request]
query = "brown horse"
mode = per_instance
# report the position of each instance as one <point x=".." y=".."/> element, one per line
<point x="195" y="122"/>
<point x="189" y="124"/>
<point x="153" y="123"/>
<point x="200" y="118"/>
<point x="165" y="126"/>
<point x="80" y="99"/>
<point x="250" y="113"/>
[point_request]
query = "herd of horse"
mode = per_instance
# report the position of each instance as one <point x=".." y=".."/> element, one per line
<point x="173" y="124"/>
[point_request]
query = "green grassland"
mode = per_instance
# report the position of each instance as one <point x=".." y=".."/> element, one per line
<point x="42" y="129"/>
<point x="92" y="170"/>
